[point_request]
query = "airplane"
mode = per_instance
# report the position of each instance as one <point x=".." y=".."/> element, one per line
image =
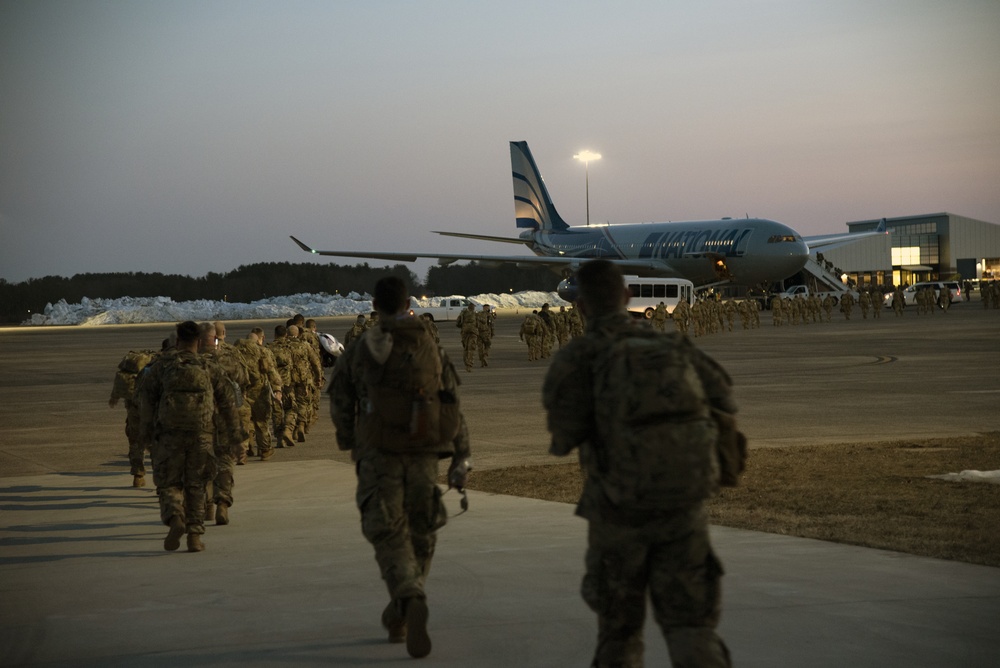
<point x="747" y="251"/>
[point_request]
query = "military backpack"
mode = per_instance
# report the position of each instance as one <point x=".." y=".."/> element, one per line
<point x="187" y="400"/>
<point x="405" y="408"/>
<point x="655" y="446"/>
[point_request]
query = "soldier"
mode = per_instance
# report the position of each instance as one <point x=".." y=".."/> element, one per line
<point x="310" y="334"/>
<point x="898" y="301"/>
<point x="212" y="344"/>
<point x="548" y="335"/>
<point x="729" y="308"/>
<point x="877" y="303"/>
<point x="307" y="374"/>
<point x="124" y="388"/>
<point x="575" y="323"/>
<point x="355" y="330"/>
<point x="285" y="417"/>
<point x="466" y="322"/>
<point x="529" y="333"/>
<point x="659" y="317"/>
<point x="645" y="487"/>
<point x="944" y="298"/>
<point x="429" y="319"/>
<point x="485" y="331"/>
<point x="180" y="396"/>
<point x="846" y="305"/>
<point x="263" y="389"/>
<point x="828" y="302"/>
<point x="562" y="326"/>
<point x="776" y="311"/>
<point x="865" y="301"/>
<point x="682" y="316"/>
<point x="396" y="450"/>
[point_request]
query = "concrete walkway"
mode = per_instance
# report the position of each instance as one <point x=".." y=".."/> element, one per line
<point x="84" y="580"/>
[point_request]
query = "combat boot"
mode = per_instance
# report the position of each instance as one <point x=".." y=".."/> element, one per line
<point x="418" y="643"/>
<point x="266" y="454"/>
<point x="138" y="480"/>
<point x="194" y="542"/>
<point x="300" y="433"/>
<point x="394" y="623"/>
<point x="173" y="539"/>
<point x="221" y="514"/>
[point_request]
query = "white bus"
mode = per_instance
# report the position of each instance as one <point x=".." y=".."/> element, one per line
<point x="647" y="293"/>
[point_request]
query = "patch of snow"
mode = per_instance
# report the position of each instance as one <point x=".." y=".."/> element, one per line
<point x="129" y="310"/>
<point x="970" y="476"/>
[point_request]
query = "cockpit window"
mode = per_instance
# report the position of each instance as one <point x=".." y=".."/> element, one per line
<point x="780" y="238"/>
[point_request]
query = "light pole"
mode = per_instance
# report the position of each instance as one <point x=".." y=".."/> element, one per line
<point x="585" y="157"/>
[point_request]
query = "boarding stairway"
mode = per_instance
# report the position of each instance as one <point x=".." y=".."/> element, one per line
<point x="823" y="276"/>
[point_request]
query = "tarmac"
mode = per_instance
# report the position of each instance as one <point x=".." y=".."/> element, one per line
<point x="84" y="580"/>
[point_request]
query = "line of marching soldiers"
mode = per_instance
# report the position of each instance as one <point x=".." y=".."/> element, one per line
<point x="275" y="391"/>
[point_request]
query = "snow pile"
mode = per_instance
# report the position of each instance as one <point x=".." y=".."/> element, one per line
<point x="970" y="476"/>
<point x="128" y="310"/>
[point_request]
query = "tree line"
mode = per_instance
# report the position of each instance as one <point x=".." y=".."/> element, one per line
<point x="251" y="282"/>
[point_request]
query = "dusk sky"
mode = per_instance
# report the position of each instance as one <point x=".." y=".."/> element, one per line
<point x="190" y="136"/>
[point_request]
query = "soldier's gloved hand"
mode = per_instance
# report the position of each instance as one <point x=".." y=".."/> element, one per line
<point x="458" y="473"/>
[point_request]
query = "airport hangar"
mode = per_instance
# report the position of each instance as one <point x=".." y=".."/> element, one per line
<point x="933" y="246"/>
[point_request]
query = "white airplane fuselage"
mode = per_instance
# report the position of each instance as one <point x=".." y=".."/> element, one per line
<point x="748" y="251"/>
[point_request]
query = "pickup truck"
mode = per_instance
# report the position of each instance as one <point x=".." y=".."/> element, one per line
<point x="446" y="308"/>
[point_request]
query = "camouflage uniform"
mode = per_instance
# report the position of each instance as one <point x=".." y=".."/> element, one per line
<point x="530" y="333"/>
<point x="285" y="417"/>
<point x="307" y="378"/>
<point x="660" y="317"/>
<point x="575" y="323"/>
<point x="397" y="494"/>
<point x="846" y="305"/>
<point x="776" y="311"/>
<point x="227" y="453"/>
<point x="666" y="553"/>
<point x="182" y="460"/>
<point x="548" y="336"/>
<point x="898" y="301"/>
<point x="124" y="388"/>
<point x="562" y="326"/>
<point x="484" y="331"/>
<point x="264" y="382"/>
<point x="466" y="321"/>
<point x="355" y="331"/>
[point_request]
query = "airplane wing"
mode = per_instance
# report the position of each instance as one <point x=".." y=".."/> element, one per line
<point x="827" y="242"/>
<point x="643" y="267"/>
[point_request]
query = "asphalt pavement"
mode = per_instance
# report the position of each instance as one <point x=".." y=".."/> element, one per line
<point x="84" y="579"/>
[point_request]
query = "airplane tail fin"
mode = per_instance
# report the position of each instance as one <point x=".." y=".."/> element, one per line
<point x="533" y="208"/>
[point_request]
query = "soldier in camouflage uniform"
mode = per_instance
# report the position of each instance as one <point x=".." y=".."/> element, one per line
<point x="397" y="493"/>
<point x="220" y="490"/>
<point x="466" y="322"/>
<point x="549" y="335"/>
<point x="660" y="317"/>
<point x="182" y="455"/>
<point x="264" y="388"/>
<point x="665" y="553"/>
<point x="529" y="333"/>
<point x="575" y="323"/>
<point x="124" y="388"/>
<point x="485" y="331"/>
<point x="285" y="417"/>
<point x="562" y="326"/>
<point x="682" y="316"/>
<point x="846" y="305"/>
<point x="307" y="370"/>
<point x="355" y="331"/>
